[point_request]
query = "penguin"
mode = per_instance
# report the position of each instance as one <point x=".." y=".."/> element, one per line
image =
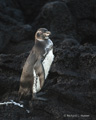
<point x="37" y="65"/>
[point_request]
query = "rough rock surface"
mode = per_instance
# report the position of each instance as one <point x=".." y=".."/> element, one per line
<point x="71" y="84"/>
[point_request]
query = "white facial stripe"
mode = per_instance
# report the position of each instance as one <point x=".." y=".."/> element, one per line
<point x="39" y="31"/>
<point x="40" y="40"/>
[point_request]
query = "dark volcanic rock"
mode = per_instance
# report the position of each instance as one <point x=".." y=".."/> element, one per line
<point x="10" y="70"/>
<point x="83" y="9"/>
<point x="30" y="8"/>
<point x="4" y="39"/>
<point x="84" y="12"/>
<point x="20" y="33"/>
<point x="14" y="13"/>
<point x="56" y="17"/>
<point x="15" y="34"/>
<point x="71" y="85"/>
<point x="87" y="31"/>
<point x="8" y="17"/>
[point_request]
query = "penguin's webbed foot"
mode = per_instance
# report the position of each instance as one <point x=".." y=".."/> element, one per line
<point x="35" y="97"/>
<point x="27" y="105"/>
<point x="41" y="99"/>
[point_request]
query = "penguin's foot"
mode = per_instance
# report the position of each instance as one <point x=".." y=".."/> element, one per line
<point x="27" y="105"/>
<point x="35" y="97"/>
<point x="40" y="98"/>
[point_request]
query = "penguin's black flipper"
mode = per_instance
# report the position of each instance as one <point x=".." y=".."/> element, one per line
<point x="26" y="80"/>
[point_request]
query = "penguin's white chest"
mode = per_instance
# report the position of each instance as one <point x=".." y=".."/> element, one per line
<point x="47" y="62"/>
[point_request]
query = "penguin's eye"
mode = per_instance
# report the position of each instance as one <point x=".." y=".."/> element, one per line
<point x="39" y="33"/>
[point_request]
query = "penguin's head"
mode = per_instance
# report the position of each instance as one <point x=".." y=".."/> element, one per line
<point x="42" y="34"/>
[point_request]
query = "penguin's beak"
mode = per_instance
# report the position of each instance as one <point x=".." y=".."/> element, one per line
<point x="48" y="33"/>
